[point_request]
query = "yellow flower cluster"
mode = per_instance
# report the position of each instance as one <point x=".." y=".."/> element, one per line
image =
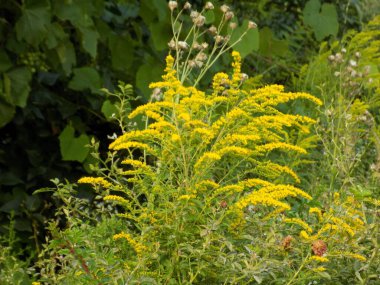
<point x="116" y="198"/>
<point x="299" y="222"/>
<point x="319" y="258"/>
<point x="95" y="181"/>
<point x="138" y="247"/>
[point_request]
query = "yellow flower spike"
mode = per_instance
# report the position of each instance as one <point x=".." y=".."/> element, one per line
<point x="279" y="145"/>
<point x="95" y="181"/>
<point x="319" y="258"/>
<point x="138" y="247"/>
<point x="316" y="211"/>
<point x="186" y="197"/>
<point x="129" y="145"/>
<point x="236" y="64"/>
<point x="116" y="198"/>
<point x="304" y="235"/>
<point x="299" y="222"/>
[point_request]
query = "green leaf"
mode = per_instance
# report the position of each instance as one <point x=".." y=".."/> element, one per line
<point x="5" y="62"/>
<point x="160" y="34"/>
<point x="73" y="148"/>
<point x="7" y="112"/>
<point x="55" y="35"/>
<point x="85" y="78"/>
<point x="67" y="57"/>
<point x="108" y="108"/>
<point x="19" y="80"/>
<point x="149" y="72"/>
<point x="33" y="23"/>
<point x="89" y="41"/>
<point x="324" y="22"/>
<point x="121" y="51"/>
<point x="270" y="46"/>
<point x="249" y="43"/>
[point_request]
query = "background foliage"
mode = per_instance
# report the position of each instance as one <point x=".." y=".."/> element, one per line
<point x="55" y="56"/>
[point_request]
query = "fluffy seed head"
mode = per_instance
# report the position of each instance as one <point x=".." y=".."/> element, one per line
<point x="209" y="6"/>
<point x="172" y="5"/>
<point x="252" y="25"/>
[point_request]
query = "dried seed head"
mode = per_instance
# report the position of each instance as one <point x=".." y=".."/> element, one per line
<point x="227" y="38"/>
<point x="343" y="50"/>
<point x="353" y="62"/>
<point x="336" y="73"/>
<point x="339" y="57"/>
<point x="286" y="242"/>
<point x="156" y="94"/>
<point x="204" y="45"/>
<point x="209" y="6"/>
<point x="171" y="44"/>
<point x="172" y="5"/>
<point x="218" y="39"/>
<point x="357" y="54"/>
<point x="212" y="30"/>
<point x="201" y="56"/>
<point x="244" y="77"/>
<point x="229" y="15"/>
<point x="199" y="63"/>
<point x="319" y="247"/>
<point x="197" y="46"/>
<point x="223" y="204"/>
<point x="233" y="25"/>
<point x="199" y="21"/>
<point x="331" y="57"/>
<point x="224" y="8"/>
<point x="192" y="64"/>
<point x="183" y="45"/>
<point x="194" y="14"/>
<point x="187" y="6"/>
<point x="252" y="25"/>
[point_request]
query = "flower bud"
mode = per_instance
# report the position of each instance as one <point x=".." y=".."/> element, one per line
<point x="172" y="5"/>
<point x="252" y="25"/>
<point x="233" y="25"/>
<point x="343" y="50"/>
<point x="183" y="45"/>
<point x="229" y="15"/>
<point x="187" y="6"/>
<point x="213" y="30"/>
<point x="194" y="14"/>
<point x="209" y="6"/>
<point x="204" y="45"/>
<point x="219" y="39"/>
<point x="171" y="44"/>
<point x="224" y="8"/>
<point x="199" y="21"/>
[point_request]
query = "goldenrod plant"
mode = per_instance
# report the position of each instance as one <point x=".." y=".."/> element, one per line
<point x="200" y="194"/>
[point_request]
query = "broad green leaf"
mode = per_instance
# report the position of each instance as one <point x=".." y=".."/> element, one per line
<point x="249" y="43"/>
<point x="269" y="45"/>
<point x="108" y="109"/>
<point x="20" y="79"/>
<point x="55" y="35"/>
<point x="89" y="41"/>
<point x="323" y="21"/>
<point x="121" y="51"/>
<point x="33" y="23"/>
<point x="161" y="8"/>
<point x="149" y="72"/>
<point x="210" y="16"/>
<point x="5" y="62"/>
<point x="74" y="11"/>
<point x="7" y="112"/>
<point x="73" y="148"/>
<point x="160" y="34"/>
<point x="67" y="57"/>
<point x="85" y="78"/>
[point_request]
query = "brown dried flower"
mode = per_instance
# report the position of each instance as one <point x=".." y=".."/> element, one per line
<point x="319" y="247"/>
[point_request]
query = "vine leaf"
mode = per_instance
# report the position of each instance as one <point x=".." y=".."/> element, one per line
<point x="34" y="21"/>
<point x="86" y="78"/>
<point x="323" y="21"/>
<point x="73" y="148"/>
